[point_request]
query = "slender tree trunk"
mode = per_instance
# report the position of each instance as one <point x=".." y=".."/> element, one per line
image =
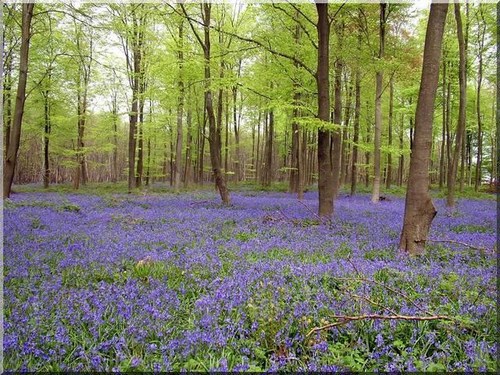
<point x="367" y="153"/>
<point x="236" y="125"/>
<point x="257" y="157"/>
<point x="180" y="110"/>
<point x="401" y="148"/>
<point x="140" y="141"/>
<point x="46" y="139"/>
<point x="132" y="137"/>
<point x="294" y="172"/>
<point x="389" y="154"/>
<point x="419" y="209"/>
<point x="187" y="164"/>
<point x="7" y="103"/>
<point x="336" y="135"/>
<point x="452" y="170"/>
<point x="226" y="137"/>
<point x="115" y="174"/>
<point x="479" y="156"/>
<point x="465" y="150"/>
<point x="148" y="163"/>
<point x="344" y="170"/>
<point x="268" y="172"/>
<point x="357" y="112"/>
<point x="378" y="109"/>
<point x="443" y="133"/>
<point x="326" y="183"/>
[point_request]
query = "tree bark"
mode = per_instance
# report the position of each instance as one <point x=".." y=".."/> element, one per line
<point x="214" y="133"/>
<point x="479" y="156"/>
<point x="15" y="134"/>
<point x="46" y="138"/>
<point x="389" y="154"/>
<point x="419" y="209"/>
<point x="180" y="110"/>
<point x="452" y="170"/>
<point x="355" y="140"/>
<point x="378" y="109"/>
<point x="443" y="130"/>
<point x="326" y="185"/>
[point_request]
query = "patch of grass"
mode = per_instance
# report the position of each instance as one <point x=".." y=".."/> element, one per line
<point x="276" y="253"/>
<point x="472" y="228"/>
<point x="379" y="254"/>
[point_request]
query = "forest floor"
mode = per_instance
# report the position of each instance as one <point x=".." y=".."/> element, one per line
<point x="165" y="282"/>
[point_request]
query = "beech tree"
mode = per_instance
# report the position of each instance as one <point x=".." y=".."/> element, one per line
<point x="15" y="133"/>
<point x="419" y="209"/>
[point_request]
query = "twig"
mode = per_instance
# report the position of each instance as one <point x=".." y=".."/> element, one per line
<point x="406" y="297"/>
<point x="481" y="249"/>
<point x="321" y="220"/>
<point x="374" y="303"/>
<point x="346" y="319"/>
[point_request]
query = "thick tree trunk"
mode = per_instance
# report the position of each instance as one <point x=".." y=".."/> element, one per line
<point x="452" y="170"/>
<point x="214" y="133"/>
<point x="378" y="109"/>
<point x="326" y="185"/>
<point x="419" y="209"/>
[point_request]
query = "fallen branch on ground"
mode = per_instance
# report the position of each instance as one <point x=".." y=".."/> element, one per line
<point x="346" y="319"/>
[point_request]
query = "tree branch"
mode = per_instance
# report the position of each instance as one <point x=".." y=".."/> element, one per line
<point x="344" y="319"/>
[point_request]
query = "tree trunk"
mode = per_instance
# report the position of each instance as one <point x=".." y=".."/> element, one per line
<point x="140" y="141"/>
<point x="187" y="164"/>
<point x="148" y="163"/>
<point x="46" y="138"/>
<point x="326" y="185"/>
<point x="15" y="134"/>
<point x="452" y="170"/>
<point x="443" y="132"/>
<point x="378" y="109"/>
<point x="294" y="172"/>
<point x="479" y="156"/>
<point x="180" y="110"/>
<point x="268" y="171"/>
<point x="336" y="142"/>
<point x="419" y="209"/>
<point x="7" y="103"/>
<point x="344" y="170"/>
<point x="355" y="140"/>
<point x="214" y="133"/>
<point x="389" y="154"/>
<point x="401" y="148"/>
<point x="115" y="174"/>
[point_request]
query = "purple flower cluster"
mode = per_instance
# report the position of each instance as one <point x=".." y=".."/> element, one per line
<point x="239" y="287"/>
